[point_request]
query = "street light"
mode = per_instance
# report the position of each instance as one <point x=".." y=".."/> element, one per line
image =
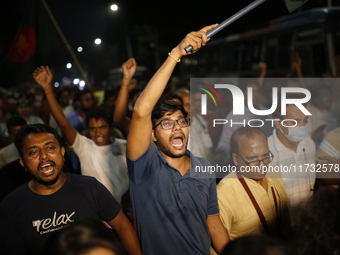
<point x="98" y="41"/>
<point x="114" y="8"/>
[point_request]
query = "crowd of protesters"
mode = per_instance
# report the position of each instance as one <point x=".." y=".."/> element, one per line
<point x="70" y="161"/>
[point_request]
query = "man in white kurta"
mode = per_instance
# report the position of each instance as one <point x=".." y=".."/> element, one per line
<point x="107" y="163"/>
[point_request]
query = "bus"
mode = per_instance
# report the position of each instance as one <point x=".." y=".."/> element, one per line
<point x="314" y="34"/>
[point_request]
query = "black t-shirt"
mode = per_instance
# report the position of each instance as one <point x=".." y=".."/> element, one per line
<point x="27" y="219"/>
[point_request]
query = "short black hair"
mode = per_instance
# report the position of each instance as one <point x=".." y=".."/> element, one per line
<point x="110" y="93"/>
<point x="60" y="92"/>
<point x="243" y="132"/>
<point x="100" y="112"/>
<point x="79" y="93"/>
<point x="172" y="96"/>
<point x="15" y="121"/>
<point x="166" y="106"/>
<point x="35" y="129"/>
<point x="82" y="236"/>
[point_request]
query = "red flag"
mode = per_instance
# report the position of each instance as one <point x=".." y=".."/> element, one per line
<point x="35" y="41"/>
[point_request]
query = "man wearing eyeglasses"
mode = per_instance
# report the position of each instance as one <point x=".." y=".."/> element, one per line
<point x="174" y="210"/>
<point x="249" y="202"/>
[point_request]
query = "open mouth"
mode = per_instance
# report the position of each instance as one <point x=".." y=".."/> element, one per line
<point x="100" y="139"/>
<point x="46" y="168"/>
<point x="177" y="141"/>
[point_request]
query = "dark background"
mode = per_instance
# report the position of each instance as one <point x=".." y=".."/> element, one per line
<point x="153" y="27"/>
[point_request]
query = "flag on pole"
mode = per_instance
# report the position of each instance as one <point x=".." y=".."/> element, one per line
<point x="35" y="41"/>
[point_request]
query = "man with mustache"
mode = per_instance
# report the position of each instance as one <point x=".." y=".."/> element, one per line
<point x="53" y="199"/>
<point x="175" y="209"/>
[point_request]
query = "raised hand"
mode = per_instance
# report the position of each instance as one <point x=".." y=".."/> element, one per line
<point x="43" y="76"/>
<point x="297" y="61"/>
<point x="262" y="66"/>
<point x="129" y="68"/>
<point x="196" y="39"/>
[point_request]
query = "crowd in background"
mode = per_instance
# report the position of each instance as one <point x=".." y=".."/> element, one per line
<point x="313" y="227"/>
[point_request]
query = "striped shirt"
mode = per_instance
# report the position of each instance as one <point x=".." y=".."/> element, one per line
<point x="296" y="168"/>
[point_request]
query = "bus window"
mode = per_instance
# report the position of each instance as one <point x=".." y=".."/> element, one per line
<point x="313" y="59"/>
<point x="335" y="26"/>
<point x="255" y="54"/>
<point x="271" y="52"/>
<point x="284" y="51"/>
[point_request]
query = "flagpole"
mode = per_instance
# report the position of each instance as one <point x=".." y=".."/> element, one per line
<point x="81" y="70"/>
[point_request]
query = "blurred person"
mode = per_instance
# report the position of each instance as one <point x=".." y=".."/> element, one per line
<point x="185" y="95"/>
<point x="200" y="141"/>
<point x="83" y="102"/>
<point x="110" y="97"/>
<point x="63" y="98"/>
<point x="83" y="99"/>
<point x="175" y="212"/>
<point x="25" y="110"/>
<point x="328" y="159"/>
<point x="10" y="152"/>
<point x="294" y="152"/>
<point x="90" y="237"/>
<point x="322" y="119"/>
<point x="316" y="225"/>
<point x="256" y="245"/>
<point x="53" y="199"/>
<point x="251" y="203"/>
<point x="101" y="156"/>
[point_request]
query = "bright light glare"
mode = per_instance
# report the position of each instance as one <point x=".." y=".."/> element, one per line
<point x="80" y="49"/>
<point x="68" y="65"/>
<point x="98" y="41"/>
<point x="76" y="81"/>
<point x="82" y="83"/>
<point x="56" y="84"/>
<point x="114" y="7"/>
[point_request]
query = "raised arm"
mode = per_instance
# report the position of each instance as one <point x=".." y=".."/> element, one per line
<point x="141" y="125"/>
<point x="219" y="234"/>
<point x="263" y="72"/>
<point x="43" y="76"/>
<point x="297" y="63"/>
<point x="126" y="233"/>
<point x="129" y="70"/>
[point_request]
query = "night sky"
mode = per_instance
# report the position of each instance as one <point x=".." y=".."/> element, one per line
<point x="84" y="20"/>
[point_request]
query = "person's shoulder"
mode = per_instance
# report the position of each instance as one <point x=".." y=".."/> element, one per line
<point x="333" y="134"/>
<point x="81" y="179"/>
<point x="71" y="115"/>
<point x="120" y="141"/>
<point x="202" y="161"/>
<point x="16" y="197"/>
<point x="228" y="184"/>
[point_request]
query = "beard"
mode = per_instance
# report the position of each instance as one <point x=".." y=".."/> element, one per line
<point x="167" y="151"/>
<point x="37" y="179"/>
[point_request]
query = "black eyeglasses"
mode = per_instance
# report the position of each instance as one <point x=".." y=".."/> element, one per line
<point x="265" y="161"/>
<point x="169" y="124"/>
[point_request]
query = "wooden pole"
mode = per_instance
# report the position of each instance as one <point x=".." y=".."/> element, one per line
<point x="75" y="59"/>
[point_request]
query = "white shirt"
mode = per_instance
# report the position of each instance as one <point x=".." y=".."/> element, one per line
<point x="296" y="167"/>
<point x="200" y="142"/>
<point x="106" y="163"/>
